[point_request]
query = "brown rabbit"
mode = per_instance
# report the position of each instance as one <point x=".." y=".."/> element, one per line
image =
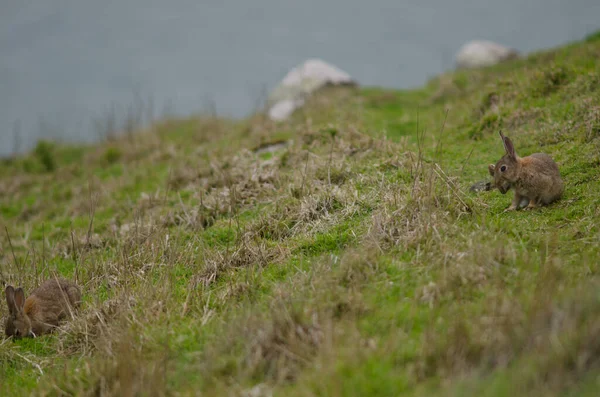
<point x="535" y="178"/>
<point x="41" y="312"/>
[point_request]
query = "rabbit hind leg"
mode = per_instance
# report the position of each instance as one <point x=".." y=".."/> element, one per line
<point x="533" y="203"/>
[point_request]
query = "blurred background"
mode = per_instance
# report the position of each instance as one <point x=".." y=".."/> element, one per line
<point x="67" y="66"/>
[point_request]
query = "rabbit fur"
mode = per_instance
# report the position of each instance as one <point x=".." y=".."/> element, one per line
<point x="535" y="179"/>
<point x="43" y="309"/>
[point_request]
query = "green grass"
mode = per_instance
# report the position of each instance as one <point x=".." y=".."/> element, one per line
<point x="354" y="261"/>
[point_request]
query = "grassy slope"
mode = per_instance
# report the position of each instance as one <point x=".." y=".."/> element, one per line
<point x="353" y="262"/>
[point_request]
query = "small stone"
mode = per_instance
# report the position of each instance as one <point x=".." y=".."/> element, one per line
<point x="481" y="53"/>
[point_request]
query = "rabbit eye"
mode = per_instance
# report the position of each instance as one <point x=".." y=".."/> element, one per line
<point x="503" y="168"/>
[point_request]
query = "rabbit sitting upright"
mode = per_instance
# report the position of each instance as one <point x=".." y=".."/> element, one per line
<point x="535" y="178"/>
<point x="41" y="312"/>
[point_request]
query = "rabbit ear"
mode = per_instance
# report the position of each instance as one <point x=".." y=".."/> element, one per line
<point x="508" y="146"/>
<point x="19" y="298"/>
<point x="9" y="292"/>
<point x="492" y="169"/>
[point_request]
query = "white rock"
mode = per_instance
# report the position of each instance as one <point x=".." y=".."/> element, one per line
<point x="480" y="53"/>
<point x="301" y="82"/>
<point x="283" y="109"/>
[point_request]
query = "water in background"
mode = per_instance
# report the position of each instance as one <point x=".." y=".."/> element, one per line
<point x="64" y="63"/>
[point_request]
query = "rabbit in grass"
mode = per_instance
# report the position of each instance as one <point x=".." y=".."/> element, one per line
<point x="535" y="179"/>
<point x="42" y="311"/>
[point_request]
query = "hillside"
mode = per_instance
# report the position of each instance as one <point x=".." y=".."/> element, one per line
<point x="341" y="253"/>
